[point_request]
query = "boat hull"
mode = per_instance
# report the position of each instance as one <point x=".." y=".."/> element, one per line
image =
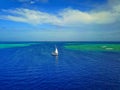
<point x="54" y="54"/>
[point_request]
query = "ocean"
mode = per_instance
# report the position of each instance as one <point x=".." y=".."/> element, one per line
<point x="30" y="66"/>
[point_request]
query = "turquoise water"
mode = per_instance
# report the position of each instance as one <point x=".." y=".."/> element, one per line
<point x="12" y="45"/>
<point x="26" y="66"/>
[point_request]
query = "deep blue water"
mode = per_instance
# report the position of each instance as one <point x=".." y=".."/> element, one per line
<point x="34" y="68"/>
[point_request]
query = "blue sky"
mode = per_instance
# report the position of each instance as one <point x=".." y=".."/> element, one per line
<point x="59" y="20"/>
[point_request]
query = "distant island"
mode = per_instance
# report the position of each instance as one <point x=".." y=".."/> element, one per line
<point x="94" y="47"/>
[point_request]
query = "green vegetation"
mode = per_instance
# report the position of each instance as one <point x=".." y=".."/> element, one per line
<point x="13" y="45"/>
<point x="94" y="47"/>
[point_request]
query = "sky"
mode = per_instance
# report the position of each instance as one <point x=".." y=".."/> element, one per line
<point x="59" y="20"/>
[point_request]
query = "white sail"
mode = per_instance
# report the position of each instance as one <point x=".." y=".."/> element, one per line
<point x="55" y="53"/>
<point x="56" y="50"/>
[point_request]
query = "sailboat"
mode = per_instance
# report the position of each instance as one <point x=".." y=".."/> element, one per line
<point x="55" y="53"/>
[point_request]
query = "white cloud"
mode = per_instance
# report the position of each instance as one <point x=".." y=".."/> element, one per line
<point x="71" y="16"/>
<point x="29" y="16"/>
<point x="23" y="0"/>
<point x="32" y="1"/>
<point x="66" y="17"/>
<point x="113" y="2"/>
